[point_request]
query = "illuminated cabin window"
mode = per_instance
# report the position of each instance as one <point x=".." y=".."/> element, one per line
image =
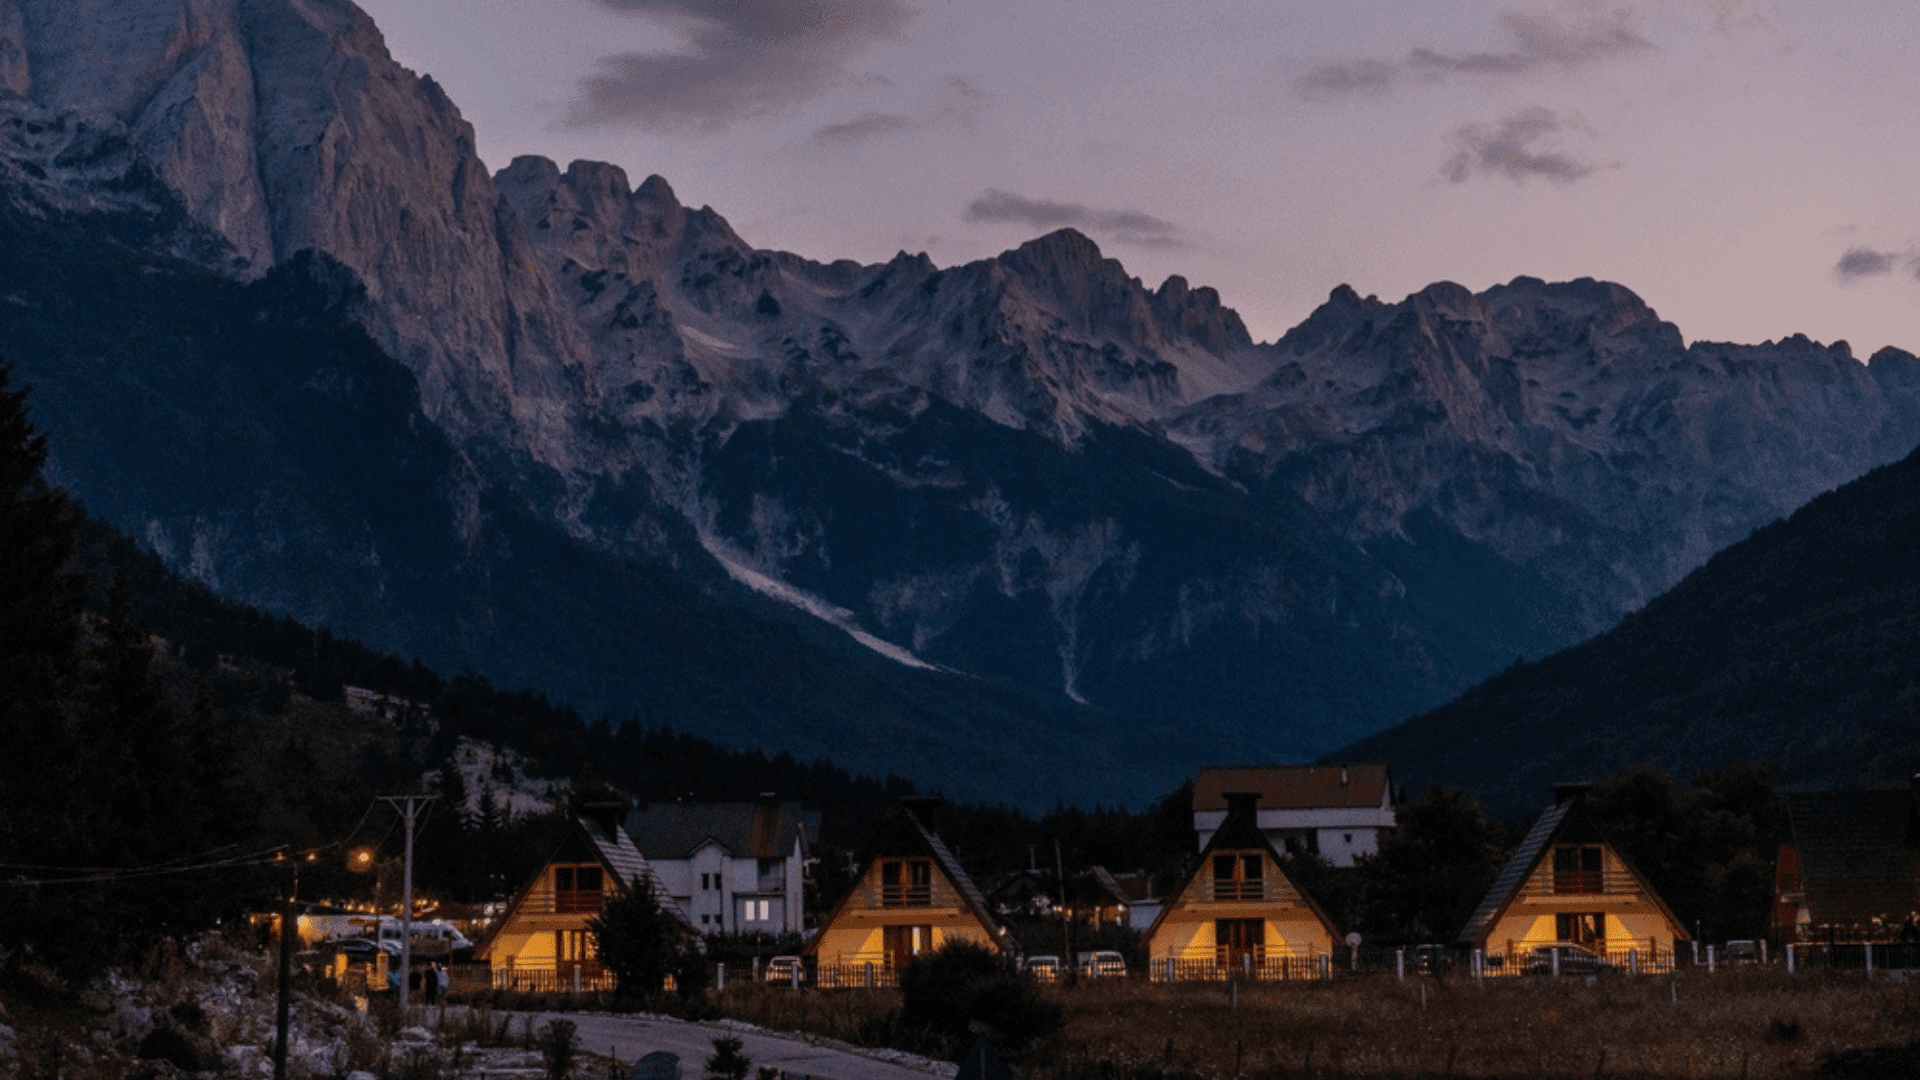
<point x="1577" y="870"/>
<point x="1238" y="877"/>
<point x="906" y="883"/>
<point x="576" y="888"/>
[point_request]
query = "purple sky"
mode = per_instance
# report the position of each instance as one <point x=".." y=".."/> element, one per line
<point x="1748" y="167"/>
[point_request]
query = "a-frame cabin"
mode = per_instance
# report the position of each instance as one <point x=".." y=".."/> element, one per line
<point x="542" y="941"/>
<point x="1239" y="914"/>
<point x="912" y="898"/>
<point x="1567" y="885"/>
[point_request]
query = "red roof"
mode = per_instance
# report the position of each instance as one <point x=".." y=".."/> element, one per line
<point x="1294" y="787"/>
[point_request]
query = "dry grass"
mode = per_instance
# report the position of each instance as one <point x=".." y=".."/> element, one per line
<point x="1758" y="1024"/>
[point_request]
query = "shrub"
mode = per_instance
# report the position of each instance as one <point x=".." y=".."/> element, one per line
<point x="728" y="1062"/>
<point x="961" y="984"/>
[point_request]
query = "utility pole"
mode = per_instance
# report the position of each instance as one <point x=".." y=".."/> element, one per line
<point x="1066" y="918"/>
<point x="287" y="916"/>
<point x="408" y="806"/>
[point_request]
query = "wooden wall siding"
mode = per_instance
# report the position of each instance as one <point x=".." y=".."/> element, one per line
<point x="850" y="945"/>
<point x="1185" y="934"/>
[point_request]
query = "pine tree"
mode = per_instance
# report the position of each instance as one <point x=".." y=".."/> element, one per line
<point x="40" y="632"/>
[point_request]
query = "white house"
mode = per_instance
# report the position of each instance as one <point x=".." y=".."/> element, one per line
<point x="731" y="867"/>
<point x="1338" y="812"/>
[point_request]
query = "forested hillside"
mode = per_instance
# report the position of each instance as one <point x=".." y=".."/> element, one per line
<point x="1796" y="647"/>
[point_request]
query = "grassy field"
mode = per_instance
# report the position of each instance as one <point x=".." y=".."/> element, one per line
<point x="1756" y="1024"/>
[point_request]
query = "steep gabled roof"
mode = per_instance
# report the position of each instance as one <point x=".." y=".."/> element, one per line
<point x="747" y="830"/>
<point x="621" y="856"/>
<point x="1859" y="854"/>
<point x="1295" y="787"/>
<point x="591" y="841"/>
<point x="1239" y="832"/>
<point x="903" y="833"/>
<point x="1566" y="818"/>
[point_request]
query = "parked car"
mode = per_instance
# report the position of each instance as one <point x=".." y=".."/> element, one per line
<point x="359" y="950"/>
<point x="1741" y="952"/>
<point x="1572" y="960"/>
<point x="1430" y="958"/>
<point x="781" y="969"/>
<point x="1044" y="968"/>
<point x="1096" y="964"/>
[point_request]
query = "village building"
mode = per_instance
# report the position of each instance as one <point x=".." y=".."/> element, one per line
<point x="1239" y="914"/>
<point x="1567" y="899"/>
<point x="1849" y="869"/>
<point x="913" y="897"/>
<point x="542" y="941"/>
<point x="734" y="867"/>
<point x="1338" y="812"/>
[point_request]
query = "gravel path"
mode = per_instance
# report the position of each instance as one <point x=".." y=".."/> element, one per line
<point x="628" y="1038"/>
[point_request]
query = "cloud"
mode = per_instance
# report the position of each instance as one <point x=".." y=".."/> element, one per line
<point x="1121" y="226"/>
<point x="953" y="104"/>
<point x="1735" y="17"/>
<point x="1866" y="262"/>
<point x="1371" y="76"/>
<point x="1567" y="36"/>
<point x="868" y="125"/>
<point x="1513" y="149"/>
<point x="1564" y="36"/>
<point x="741" y="58"/>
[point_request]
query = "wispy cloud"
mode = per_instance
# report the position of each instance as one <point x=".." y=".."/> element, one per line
<point x="1556" y="37"/>
<point x="868" y="125"/>
<point x="1562" y="36"/>
<point x="954" y="104"/>
<point x="1369" y="76"/>
<point x="1866" y="262"/>
<point x="1121" y="226"/>
<point x="1735" y="17"/>
<point x="741" y="58"/>
<point x="1521" y="147"/>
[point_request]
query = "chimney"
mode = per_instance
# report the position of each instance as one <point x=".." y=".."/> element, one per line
<point x="922" y="808"/>
<point x="608" y="815"/>
<point x="1568" y="792"/>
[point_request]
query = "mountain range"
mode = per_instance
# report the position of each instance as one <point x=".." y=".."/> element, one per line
<point x="1025" y="527"/>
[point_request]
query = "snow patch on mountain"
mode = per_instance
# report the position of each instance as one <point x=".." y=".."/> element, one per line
<point x="838" y="617"/>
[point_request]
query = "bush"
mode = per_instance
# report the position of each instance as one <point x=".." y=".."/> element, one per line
<point x="642" y="943"/>
<point x="728" y="1062"/>
<point x="948" y="991"/>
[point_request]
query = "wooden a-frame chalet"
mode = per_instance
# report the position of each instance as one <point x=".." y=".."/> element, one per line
<point x="1566" y="884"/>
<point x="1239" y="914"/>
<point x="912" y="898"/>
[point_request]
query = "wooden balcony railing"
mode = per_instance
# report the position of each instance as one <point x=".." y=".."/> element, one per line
<point x="906" y="896"/>
<point x="1581" y="883"/>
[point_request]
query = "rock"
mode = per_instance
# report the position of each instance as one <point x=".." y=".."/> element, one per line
<point x="170" y="1044"/>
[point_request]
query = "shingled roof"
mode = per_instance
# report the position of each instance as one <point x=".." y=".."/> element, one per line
<point x="1525" y="858"/>
<point x="747" y="830"/>
<point x="1859" y="854"/>
<point x="1294" y="787"/>
<point x="1565" y="820"/>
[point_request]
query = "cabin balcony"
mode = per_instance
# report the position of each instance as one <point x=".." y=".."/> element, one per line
<point x="1552" y="883"/>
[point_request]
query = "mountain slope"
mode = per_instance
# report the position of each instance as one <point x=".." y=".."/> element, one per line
<point x="1794" y="647"/>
